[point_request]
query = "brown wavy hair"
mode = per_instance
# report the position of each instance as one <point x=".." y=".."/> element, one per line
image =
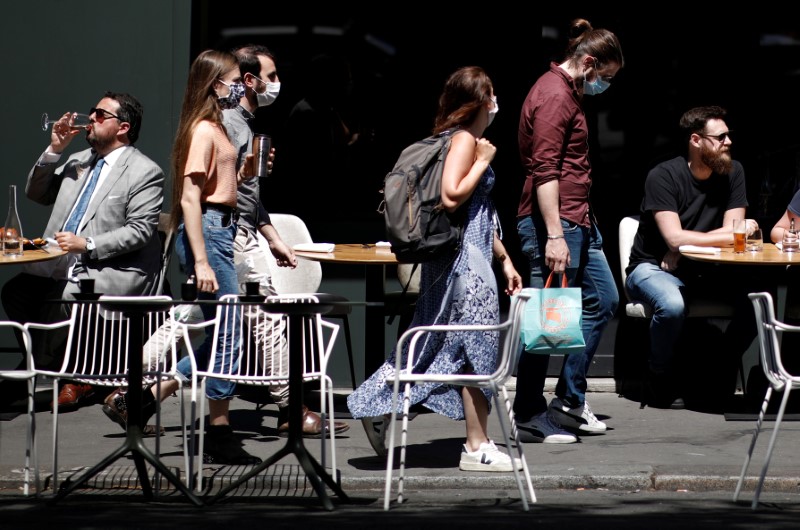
<point x="465" y="92"/>
<point x="199" y="103"/>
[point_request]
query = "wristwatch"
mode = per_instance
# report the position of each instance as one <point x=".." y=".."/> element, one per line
<point x="90" y="246"/>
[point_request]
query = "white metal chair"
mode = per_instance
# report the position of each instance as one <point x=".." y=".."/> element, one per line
<point x="97" y="354"/>
<point x="28" y="375"/>
<point x="254" y="362"/>
<point x="307" y="276"/>
<point x="780" y="380"/>
<point x="496" y="382"/>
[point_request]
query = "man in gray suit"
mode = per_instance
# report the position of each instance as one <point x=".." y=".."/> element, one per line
<point x="106" y="203"/>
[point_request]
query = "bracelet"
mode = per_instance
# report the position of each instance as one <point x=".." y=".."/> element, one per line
<point x="501" y="258"/>
<point x="555" y="237"/>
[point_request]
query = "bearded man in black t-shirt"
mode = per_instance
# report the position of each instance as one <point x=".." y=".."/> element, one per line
<point x="690" y="200"/>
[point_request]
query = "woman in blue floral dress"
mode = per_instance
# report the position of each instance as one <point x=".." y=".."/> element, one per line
<point x="458" y="288"/>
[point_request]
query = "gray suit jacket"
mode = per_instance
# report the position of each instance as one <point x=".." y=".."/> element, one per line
<point x="122" y="219"/>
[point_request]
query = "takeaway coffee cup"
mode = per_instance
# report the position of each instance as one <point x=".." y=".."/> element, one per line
<point x="262" y="144"/>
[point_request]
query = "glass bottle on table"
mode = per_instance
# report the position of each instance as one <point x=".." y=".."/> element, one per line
<point x="12" y="230"/>
<point x="791" y="240"/>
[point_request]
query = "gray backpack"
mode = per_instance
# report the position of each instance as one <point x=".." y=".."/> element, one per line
<point x="417" y="225"/>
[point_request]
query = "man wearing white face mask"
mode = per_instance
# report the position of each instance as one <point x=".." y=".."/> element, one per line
<point x="262" y="86"/>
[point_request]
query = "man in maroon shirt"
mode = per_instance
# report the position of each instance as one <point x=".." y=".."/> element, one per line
<point x="557" y="230"/>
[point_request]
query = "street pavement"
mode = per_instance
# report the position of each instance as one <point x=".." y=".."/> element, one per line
<point x="651" y="463"/>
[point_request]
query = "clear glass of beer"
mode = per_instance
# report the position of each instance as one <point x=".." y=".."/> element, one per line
<point x="739" y="235"/>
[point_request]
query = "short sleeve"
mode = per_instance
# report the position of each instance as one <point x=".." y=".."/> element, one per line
<point x="200" y="157"/>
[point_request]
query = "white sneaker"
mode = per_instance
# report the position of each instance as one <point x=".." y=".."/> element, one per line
<point x="375" y="427"/>
<point x="542" y="429"/>
<point x="581" y="418"/>
<point x="487" y="458"/>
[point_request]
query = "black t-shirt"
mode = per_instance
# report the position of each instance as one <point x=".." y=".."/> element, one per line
<point x="700" y="205"/>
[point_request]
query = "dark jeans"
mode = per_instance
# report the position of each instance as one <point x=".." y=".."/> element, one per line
<point x="588" y="270"/>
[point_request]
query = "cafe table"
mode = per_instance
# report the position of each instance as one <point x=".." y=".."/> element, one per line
<point x="28" y="256"/>
<point x="374" y="258"/>
<point x="770" y="256"/>
<point x="31" y="256"/>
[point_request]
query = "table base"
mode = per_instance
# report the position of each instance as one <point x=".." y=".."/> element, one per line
<point x="315" y="473"/>
<point x="294" y="445"/>
<point x="141" y="454"/>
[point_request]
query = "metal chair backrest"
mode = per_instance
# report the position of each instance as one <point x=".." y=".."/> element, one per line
<point x="98" y="344"/>
<point x="769" y="340"/>
<point x="307" y="276"/>
<point x="253" y="361"/>
<point x="98" y="351"/>
<point x="28" y="375"/>
<point x="261" y="358"/>
<point x="770" y="332"/>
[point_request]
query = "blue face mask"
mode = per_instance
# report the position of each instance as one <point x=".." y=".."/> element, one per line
<point x="598" y="86"/>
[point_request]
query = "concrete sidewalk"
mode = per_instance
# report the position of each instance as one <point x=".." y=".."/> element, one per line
<point x="644" y="449"/>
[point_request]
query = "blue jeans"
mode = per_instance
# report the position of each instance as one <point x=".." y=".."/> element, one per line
<point x="669" y="296"/>
<point x="219" y="249"/>
<point x="589" y="270"/>
<point x="664" y="292"/>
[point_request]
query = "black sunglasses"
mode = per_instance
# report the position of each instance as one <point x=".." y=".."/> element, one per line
<point x="718" y="137"/>
<point x="102" y="114"/>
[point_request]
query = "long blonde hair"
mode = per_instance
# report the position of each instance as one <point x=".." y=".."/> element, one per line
<point x="199" y="103"/>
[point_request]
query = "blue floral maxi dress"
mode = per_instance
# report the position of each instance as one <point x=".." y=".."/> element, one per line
<point x="458" y="289"/>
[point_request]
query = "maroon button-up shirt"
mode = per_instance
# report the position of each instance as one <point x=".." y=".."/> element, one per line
<point x="553" y="145"/>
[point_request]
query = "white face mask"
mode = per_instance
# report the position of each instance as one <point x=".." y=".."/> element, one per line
<point x="270" y="93"/>
<point x="493" y="111"/>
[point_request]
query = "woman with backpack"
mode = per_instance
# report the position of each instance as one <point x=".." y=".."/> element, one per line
<point x="457" y="287"/>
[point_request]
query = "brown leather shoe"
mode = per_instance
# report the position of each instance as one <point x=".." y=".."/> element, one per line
<point x="312" y="426"/>
<point x="116" y="409"/>
<point x="72" y="397"/>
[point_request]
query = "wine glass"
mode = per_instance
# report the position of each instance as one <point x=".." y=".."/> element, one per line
<point x="77" y="121"/>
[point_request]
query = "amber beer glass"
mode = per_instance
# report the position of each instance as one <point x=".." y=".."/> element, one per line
<point x="739" y="235"/>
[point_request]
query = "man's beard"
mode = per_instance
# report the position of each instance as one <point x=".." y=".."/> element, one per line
<point x="96" y="142"/>
<point x="720" y="162"/>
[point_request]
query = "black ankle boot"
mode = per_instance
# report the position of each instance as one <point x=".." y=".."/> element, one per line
<point x="149" y="406"/>
<point x="661" y="391"/>
<point x="223" y="447"/>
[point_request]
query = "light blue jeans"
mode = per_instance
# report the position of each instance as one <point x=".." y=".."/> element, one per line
<point x="219" y="249"/>
<point x="665" y="293"/>
<point x="670" y="296"/>
<point x="588" y="270"/>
